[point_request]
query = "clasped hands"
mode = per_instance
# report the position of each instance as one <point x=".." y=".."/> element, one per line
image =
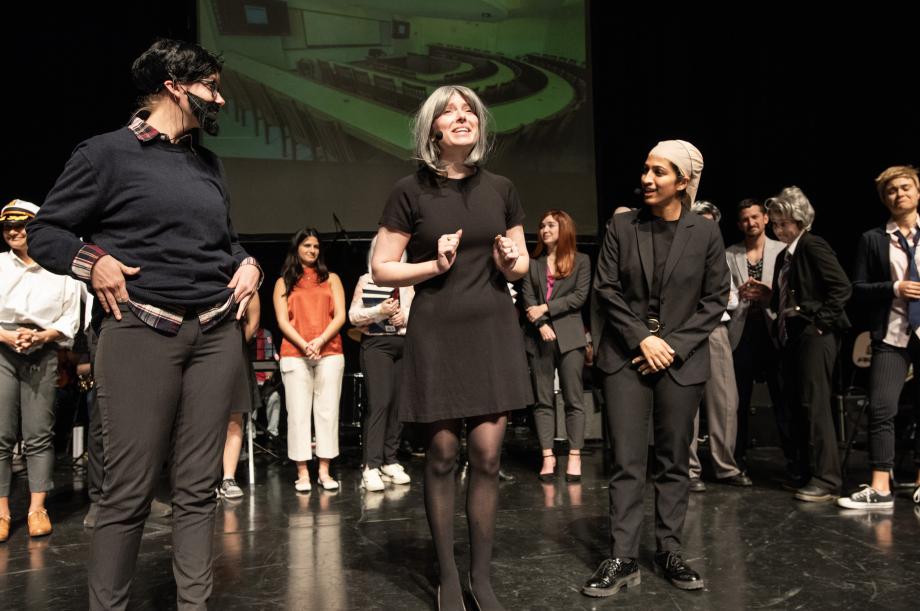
<point x="754" y="290"/>
<point x="23" y="339"/>
<point x="390" y="308"/>
<point x="656" y="356"/>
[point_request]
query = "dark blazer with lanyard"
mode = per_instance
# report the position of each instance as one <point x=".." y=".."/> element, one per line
<point x="817" y="291"/>
<point x="873" y="288"/>
<point x="872" y="283"/>
<point x="818" y="288"/>
<point x="694" y="294"/>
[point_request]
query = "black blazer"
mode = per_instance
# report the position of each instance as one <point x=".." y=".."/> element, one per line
<point x="569" y="295"/>
<point x="694" y="292"/>
<point x="873" y="287"/>
<point x="818" y="287"/>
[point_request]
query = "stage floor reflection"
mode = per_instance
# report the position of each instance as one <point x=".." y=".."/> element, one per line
<point x="351" y="549"/>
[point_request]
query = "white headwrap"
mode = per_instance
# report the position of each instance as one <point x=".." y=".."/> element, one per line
<point x="686" y="157"/>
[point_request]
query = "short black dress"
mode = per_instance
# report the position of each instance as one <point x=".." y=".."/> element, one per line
<point x="464" y="353"/>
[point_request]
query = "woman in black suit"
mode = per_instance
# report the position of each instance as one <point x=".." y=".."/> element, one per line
<point x="810" y="290"/>
<point x="554" y="291"/>
<point x="662" y="283"/>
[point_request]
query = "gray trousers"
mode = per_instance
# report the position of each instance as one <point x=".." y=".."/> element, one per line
<point x="160" y="398"/>
<point x="570" y="365"/>
<point x="27" y="390"/>
<point x="720" y="396"/>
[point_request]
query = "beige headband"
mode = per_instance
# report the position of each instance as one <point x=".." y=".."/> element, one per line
<point x="686" y="157"/>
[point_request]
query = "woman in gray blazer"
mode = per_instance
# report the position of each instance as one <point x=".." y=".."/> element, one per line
<point x="554" y="291"/>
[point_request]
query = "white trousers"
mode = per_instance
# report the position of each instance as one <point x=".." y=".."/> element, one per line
<point x="312" y="388"/>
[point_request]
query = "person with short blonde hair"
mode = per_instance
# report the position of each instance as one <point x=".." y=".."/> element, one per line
<point x="886" y="282"/>
<point x="895" y="171"/>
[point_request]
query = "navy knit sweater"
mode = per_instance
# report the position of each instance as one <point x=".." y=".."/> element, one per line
<point x="160" y="206"/>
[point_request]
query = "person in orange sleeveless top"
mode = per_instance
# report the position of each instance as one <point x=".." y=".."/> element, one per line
<point x="310" y="308"/>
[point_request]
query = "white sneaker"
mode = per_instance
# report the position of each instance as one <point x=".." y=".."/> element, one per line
<point x="328" y="484"/>
<point x="394" y="473"/>
<point x="371" y="481"/>
<point x="302" y="485"/>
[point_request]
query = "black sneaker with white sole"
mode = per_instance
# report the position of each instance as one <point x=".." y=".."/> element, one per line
<point x="867" y="497"/>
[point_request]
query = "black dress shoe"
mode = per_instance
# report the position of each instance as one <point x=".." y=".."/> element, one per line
<point x="697" y="485"/>
<point x="740" y="479"/>
<point x="672" y="566"/>
<point x="504" y="476"/>
<point x="612" y="575"/>
<point x="571" y="477"/>
<point x="812" y="493"/>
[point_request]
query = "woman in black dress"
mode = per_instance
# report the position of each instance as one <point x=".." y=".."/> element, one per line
<point x="461" y="227"/>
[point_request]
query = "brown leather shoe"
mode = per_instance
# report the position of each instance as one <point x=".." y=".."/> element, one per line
<point x="4" y="528"/>
<point x="39" y="523"/>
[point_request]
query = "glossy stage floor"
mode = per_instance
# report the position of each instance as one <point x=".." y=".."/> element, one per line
<point x="277" y="549"/>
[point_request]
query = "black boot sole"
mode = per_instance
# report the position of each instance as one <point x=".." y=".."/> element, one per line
<point x="624" y="582"/>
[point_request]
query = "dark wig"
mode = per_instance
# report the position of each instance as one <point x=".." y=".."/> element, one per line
<point x="292" y="269"/>
<point x="173" y="60"/>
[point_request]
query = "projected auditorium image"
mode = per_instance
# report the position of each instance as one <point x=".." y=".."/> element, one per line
<point x="320" y="99"/>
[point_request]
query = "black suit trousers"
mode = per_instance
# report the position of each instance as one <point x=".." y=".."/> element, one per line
<point x="632" y="400"/>
<point x="808" y="364"/>
<point x="757" y="356"/>
<point x="381" y="357"/>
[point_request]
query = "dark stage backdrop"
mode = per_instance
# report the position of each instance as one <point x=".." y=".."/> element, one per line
<point x="771" y="98"/>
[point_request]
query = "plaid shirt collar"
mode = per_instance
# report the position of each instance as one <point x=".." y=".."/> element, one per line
<point x="147" y="133"/>
<point x="143" y="130"/>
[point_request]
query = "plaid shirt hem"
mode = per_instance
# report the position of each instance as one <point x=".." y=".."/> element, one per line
<point x="82" y="265"/>
<point x="169" y="320"/>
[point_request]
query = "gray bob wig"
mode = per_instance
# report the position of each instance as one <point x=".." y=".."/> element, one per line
<point x="791" y="203"/>
<point x="702" y="206"/>
<point x="426" y="146"/>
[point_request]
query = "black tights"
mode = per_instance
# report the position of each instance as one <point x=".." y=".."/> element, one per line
<point x="484" y="445"/>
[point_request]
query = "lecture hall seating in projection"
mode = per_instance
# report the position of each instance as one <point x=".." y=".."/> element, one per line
<point x="321" y="97"/>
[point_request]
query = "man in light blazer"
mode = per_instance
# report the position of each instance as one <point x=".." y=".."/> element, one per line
<point x="755" y="353"/>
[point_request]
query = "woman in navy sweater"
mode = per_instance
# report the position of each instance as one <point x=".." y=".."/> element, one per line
<point x="171" y="279"/>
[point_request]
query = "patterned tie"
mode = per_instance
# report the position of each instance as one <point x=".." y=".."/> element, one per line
<point x="783" y="297"/>
<point x="913" y="305"/>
